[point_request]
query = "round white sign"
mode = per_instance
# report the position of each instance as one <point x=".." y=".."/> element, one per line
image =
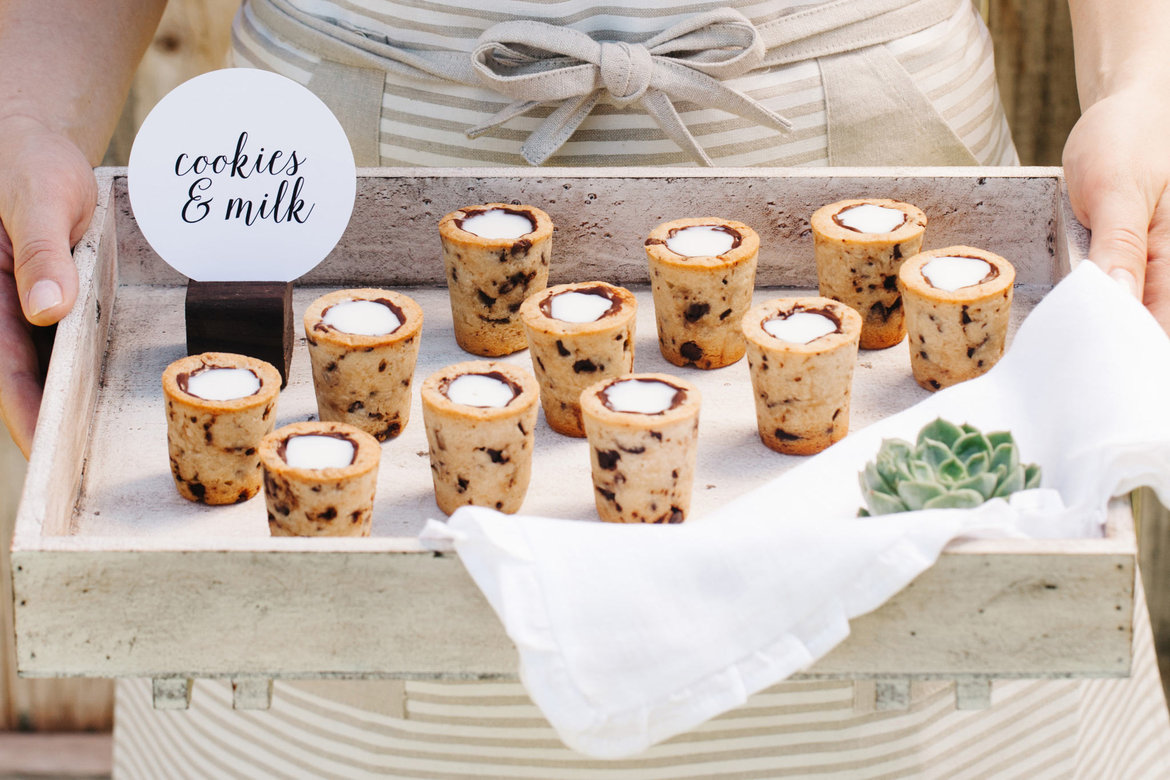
<point x="242" y="175"/>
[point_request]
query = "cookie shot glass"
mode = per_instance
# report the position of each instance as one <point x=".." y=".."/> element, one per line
<point x="702" y="272"/>
<point x="801" y="353"/>
<point x="643" y="432"/>
<point x="219" y="406"/>
<point x="319" y="479"/>
<point x="958" y="305"/>
<point x="859" y="245"/>
<point x="577" y="334"/>
<point x="363" y="346"/>
<point x="495" y="256"/>
<point x="480" y="417"/>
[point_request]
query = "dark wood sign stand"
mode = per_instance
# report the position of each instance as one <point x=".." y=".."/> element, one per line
<point x="248" y="318"/>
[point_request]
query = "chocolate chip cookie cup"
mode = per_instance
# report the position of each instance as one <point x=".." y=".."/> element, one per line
<point x="702" y="272"/>
<point x="859" y="245"/>
<point x="363" y="345"/>
<point x="219" y="406"/>
<point x="577" y="334"/>
<point x="801" y="352"/>
<point x="319" y="479"/>
<point x="958" y="305"/>
<point x="495" y="256"/>
<point x="480" y="418"/>
<point x="643" y="430"/>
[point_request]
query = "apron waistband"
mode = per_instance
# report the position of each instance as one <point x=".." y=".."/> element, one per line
<point x="535" y="63"/>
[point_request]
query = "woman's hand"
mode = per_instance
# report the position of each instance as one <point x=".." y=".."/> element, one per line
<point x="1117" y="164"/>
<point x="47" y="196"/>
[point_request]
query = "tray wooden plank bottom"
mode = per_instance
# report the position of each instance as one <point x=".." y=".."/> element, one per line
<point x="127" y="491"/>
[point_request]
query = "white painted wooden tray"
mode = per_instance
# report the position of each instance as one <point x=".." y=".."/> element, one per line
<point x="115" y="575"/>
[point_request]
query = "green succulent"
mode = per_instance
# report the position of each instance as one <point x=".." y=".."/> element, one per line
<point x="950" y="467"/>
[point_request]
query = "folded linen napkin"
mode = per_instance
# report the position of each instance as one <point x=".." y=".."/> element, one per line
<point x="628" y="635"/>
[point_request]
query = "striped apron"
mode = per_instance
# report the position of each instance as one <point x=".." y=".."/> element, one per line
<point x="771" y="82"/>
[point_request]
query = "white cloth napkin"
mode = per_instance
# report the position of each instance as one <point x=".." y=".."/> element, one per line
<point x="628" y="635"/>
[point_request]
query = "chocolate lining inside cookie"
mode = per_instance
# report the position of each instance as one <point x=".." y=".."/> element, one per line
<point x="282" y="445"/>
<point x="992" y="272"/>
<point x="680" y="395"/>
<point x="736" y="236"/>
<point x="445" y="384"/>
<point x="183" y="380"/>
<point x="614" y="307"/>
<point x="321" y="325"/>
<point x="838" y="219"/>
<point x="469" y="213"/>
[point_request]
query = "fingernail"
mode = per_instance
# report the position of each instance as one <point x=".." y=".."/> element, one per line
<point x="1127" y="281"/>
<point x="44" y="295"/>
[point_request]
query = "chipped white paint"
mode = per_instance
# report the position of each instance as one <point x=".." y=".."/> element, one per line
<point x="117" y="576"/>
<point x="171" y="693"/>
<point x="252" y="693"/>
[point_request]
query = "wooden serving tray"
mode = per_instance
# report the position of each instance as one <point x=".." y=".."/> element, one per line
<point x="117" y="576"/>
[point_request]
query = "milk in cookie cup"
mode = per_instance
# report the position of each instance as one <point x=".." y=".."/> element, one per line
<point x="643" y="431"/>
<point x="801" y="352"/>
<point x="319" y="479"/>
<point x="480" y="418"/>
<point x="219" y="406"/>
<point x="363" y="345"/>
<point x="702" y="272"/>
<point x="577" y="334"/>
<point x="958" y="304"/>
<point x="859" y="245"/>
<point x="495" y="255"/>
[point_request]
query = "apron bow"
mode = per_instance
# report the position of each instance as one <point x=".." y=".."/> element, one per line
<point x="535" y="62"/>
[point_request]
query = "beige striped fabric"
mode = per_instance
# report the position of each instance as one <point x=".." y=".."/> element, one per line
<point x="424" y="122"/>
<point x="1034" y="730"/>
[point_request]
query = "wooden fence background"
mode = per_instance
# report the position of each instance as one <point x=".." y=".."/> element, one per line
<point x="1034" y="61"/>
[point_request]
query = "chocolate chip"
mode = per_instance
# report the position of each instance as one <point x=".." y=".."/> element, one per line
<point x="383" y="366"/>
<point x="970" y="352"/>
<point x="355" y="406"/>
<point x="897" y="256"/>
<point x="463" y="483"/>
<point x="331" y="367"/>
<point x="725" y="314"/>
<point x="485" y="299"/>
<point x="561" y="349"/>
<point x="891" y="282"/>
<point x="696" y="311"/>
<point x="242" y="497"/>
<point x="784" y="435"/>
<point x="608" y="459"/>
<point x="389" y="432"/>
<point x="691" y="351"/>
<point x="656" y="435"/>
<point x="497" y="456"/>
<point x="606" y="494"/>
<point x="676" y="515"/>
<point x="584" y="367"/>
<point x="934" y="383"/>
<point x="328" y="514"/>
<point x="282" y="509"/>
<point x="965" y="317"/>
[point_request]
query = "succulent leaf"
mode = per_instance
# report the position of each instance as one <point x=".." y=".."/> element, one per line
<point x="944" y="432"/>
<point x="1031" y="476"/>
<point x="884" y="503"/>
<point x="1005" y="455"/>
<point x="984" y="483"/>
<point x="952" y="471"/>
<point x="915" y="494"/>
<point x="934" y="452"/>
<point x="951" y="466"/>
<point x="979" y="463"/>
<point x="956" y="499"/>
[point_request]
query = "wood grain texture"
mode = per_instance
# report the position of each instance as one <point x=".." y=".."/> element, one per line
<point x="1034" y="68"/>
<point x="245" y="318"/>
<point x="167" y="602"/>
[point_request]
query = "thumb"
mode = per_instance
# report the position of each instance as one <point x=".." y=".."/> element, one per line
<point x="41" y="230"/>
<point x="1120" y="225"/>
